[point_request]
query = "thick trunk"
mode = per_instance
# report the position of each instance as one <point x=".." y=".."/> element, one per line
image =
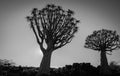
<point x="45" y="64"/>
<point x="104" y="63"/>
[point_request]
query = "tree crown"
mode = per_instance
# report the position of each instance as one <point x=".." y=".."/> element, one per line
<point x="103" y="40"/>
<point x="53" y="25"/>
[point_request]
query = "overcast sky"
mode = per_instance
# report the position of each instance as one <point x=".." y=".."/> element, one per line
<point x="18" y="43"/>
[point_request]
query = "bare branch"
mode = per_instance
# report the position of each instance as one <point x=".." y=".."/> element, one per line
<point x="53" y="25"/>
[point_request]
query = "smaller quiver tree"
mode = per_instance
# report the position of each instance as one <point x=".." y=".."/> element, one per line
<point x="104" y="41"/>
<point x="53" y="27"/>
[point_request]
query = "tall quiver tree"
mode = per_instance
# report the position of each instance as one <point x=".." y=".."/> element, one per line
<point x="104" y="41"/>
<point x="53" y="27"/>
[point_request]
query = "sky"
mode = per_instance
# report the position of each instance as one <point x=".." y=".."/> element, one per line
<point x="18" y="43"/>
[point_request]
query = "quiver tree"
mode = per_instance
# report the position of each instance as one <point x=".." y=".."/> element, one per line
<point x="104" y="41"/>
<point x="53" y="27"/>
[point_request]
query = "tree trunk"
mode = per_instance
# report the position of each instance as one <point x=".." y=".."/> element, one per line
<point x="104" y="63"/>
<point x="45" y="64"/>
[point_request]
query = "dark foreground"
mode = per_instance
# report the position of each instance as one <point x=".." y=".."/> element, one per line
<point x="77" y="69"/>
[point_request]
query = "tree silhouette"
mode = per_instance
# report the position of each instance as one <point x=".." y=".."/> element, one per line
<point x="103" y="40"/>
<point x="53" y="28"/>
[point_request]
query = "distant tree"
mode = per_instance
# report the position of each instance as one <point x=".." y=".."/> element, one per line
<point x="103" y="40"/>
<point x="53" y="28"/>
<point x="5" y="62"/>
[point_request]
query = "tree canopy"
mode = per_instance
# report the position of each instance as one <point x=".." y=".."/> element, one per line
<point x="53" y="25"/>
<point x="103" y="40"/>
